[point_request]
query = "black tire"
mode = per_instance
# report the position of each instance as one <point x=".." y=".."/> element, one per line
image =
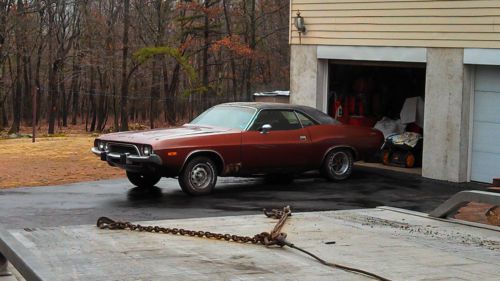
<point x="143" y="180"/>
<point x="199" y="176"/>
<point x="337" y="165"/>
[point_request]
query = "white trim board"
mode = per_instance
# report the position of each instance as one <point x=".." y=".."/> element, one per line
<point x="482" y="56"/>
<point x="395" y="54"/>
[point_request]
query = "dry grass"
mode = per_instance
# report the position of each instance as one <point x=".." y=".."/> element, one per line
<point x="51" y="161"/>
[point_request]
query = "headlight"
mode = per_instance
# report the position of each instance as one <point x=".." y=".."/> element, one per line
<point x="147" y="150"/>
<point x="101" y="145"/>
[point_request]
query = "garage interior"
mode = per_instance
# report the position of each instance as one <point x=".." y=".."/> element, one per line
<point x="373" y="94"/>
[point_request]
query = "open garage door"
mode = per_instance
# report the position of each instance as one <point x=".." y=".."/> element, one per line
<point x="486" y="125"/>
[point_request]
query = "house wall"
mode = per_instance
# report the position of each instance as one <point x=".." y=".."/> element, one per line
<point x="404" y="23"/>
<point x="447" y="107"/>
<point x="303" y="75"/>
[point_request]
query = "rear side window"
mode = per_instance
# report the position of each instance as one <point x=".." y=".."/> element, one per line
<point x="306" y="121"/>
<point x="279" y="120"/>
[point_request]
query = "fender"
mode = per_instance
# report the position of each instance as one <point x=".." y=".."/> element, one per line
<point x="198" y="151"/>
<point x="355" y="156"/>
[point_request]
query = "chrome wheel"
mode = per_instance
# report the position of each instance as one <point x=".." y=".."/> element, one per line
<point x="339" y="163"/>
<point x="201" y="176"/>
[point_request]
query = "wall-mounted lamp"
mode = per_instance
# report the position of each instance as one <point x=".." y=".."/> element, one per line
<point x="299" y="23"/>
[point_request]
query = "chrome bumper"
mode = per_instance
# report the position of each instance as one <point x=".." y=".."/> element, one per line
<point x="126" y="158"/>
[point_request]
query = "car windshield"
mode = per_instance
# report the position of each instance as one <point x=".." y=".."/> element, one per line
<point x="234" y="117"/>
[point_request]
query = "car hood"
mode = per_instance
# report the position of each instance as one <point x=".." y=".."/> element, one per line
<point x="150" y="136"/>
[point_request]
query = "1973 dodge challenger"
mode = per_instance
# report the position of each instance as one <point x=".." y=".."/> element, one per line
<point x="239" y="139"/>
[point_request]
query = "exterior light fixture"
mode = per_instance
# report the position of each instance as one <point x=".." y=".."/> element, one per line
<point x="299" y="23"/>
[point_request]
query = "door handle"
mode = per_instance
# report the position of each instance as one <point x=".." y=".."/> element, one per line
<point x="302" y="138"/>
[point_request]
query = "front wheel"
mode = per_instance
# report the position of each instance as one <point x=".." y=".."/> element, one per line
<point x="143" y="180"/>
<point x="199" y="176"/>
<point x="338" y="164"/>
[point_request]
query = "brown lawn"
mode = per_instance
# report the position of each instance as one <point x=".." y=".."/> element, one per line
<point x="51" y="161"/>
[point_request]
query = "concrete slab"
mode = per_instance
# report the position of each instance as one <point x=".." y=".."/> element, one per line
<point x="414" y="171"/>
<point x="390" y="242"/>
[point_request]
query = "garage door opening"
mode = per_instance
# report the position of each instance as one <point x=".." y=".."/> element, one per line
<point x="387" y="96"/>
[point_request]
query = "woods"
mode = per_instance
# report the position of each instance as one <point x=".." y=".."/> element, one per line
<point x="105" y="64"/>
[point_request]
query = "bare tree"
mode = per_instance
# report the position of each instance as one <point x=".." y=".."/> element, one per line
<point x="82" y="57"/>
<point x="124" y="90"/>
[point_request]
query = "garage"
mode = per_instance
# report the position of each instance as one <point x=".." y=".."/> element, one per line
<point x="374" y="94"/>
<point x="485" y="163"/>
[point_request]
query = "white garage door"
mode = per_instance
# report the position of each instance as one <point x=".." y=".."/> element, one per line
<point x="486" y="125"/>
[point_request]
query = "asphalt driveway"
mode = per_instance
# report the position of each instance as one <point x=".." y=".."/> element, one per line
<point x="83" y="203"/>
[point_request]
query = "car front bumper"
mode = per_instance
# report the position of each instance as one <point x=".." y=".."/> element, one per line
<point x="126" y="159"/>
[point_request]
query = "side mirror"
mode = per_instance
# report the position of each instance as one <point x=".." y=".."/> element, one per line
<point x="265" y="128"/>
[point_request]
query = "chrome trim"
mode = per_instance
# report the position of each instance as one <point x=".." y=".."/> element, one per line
<point x="306" y="115"/>
<point x="96" y="151"/>
<point x="130" y="159"/>
<point x="281" y="109"/>
<point x="297" y="116"/>
<point x="153" y="158"/>
<point x="252" y="120"/>
<point x="110" y="144"/>
<point x="201" y="151"/>
<point x="265" y="129"/>
<point x="355" y="156"/>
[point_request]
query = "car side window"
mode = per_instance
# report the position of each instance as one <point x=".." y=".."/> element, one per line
<point x="279" y="120"/>
<point x="306" y="121"/>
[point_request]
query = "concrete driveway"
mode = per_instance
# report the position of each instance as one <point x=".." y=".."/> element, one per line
<point x="83" y="203"/>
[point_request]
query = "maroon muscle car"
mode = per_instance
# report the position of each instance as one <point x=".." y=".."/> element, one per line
<point x="240" y="139"/>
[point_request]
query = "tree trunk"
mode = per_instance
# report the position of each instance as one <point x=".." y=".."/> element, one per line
<point x="252" y="45"/>
<point x="124" y="90"/>
<point x="92" y="99"/>
<point x="52" y="68"/>
<point x="155" y="93"/>
<point x="75" y="85"/>
<point x="17" y="97"/>
<point x="232" y="62"/>
<point x="27" y="101"/>
<point x="65" y="100"/>
<point x="101" y="104"/>
<point x="38" y="83"/>
<point x="4" y="122"/>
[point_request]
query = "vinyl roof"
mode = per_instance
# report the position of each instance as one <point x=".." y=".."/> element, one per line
<point x="313" y="113"/>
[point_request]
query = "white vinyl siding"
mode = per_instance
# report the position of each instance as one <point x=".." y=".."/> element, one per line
<point x="405" y="23"/>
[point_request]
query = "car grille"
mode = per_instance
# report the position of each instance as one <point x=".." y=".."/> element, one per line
<point x="123" y="148"/>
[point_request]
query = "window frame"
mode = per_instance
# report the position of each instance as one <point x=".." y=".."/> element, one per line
<point x="275" y="109"/>
<point x="314" y="122"/>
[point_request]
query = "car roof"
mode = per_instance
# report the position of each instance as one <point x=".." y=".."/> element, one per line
<point x="265" y="105"/>
<point x="317" y="115"/>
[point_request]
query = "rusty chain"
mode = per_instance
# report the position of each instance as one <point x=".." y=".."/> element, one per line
<point x="274" y="238"/>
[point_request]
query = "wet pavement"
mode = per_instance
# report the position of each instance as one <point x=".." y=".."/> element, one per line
<point x="83" y="203"/>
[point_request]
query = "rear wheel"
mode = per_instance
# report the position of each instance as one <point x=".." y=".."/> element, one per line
<point x="338" y="164"/>
<point x="199" y="176"/>
<point x="143" y="180"/>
